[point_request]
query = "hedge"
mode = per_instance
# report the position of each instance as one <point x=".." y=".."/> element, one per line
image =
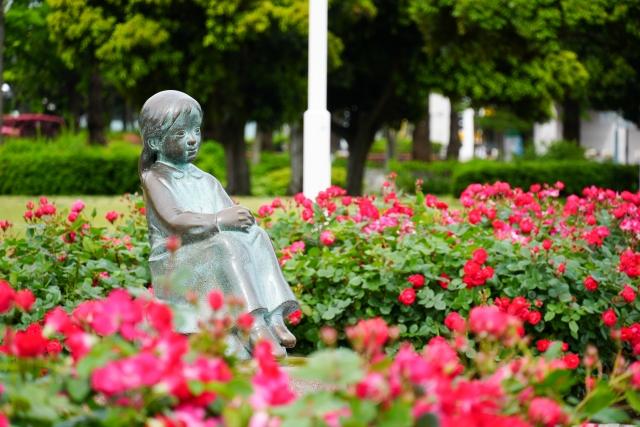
<point x="575" y="175"/>
<point x="83" y="170"/>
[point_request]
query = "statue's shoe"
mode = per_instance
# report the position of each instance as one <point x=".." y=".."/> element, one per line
<point x="263" y="333"/>
<point x="286" y="338"/>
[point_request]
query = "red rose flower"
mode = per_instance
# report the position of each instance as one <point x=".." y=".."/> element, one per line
<point x="479" y="256"/>
<point x="111" y="216"/>
<point x="543" y="345"/>
<point x="590" y="284"/>
<point x="24" y="299"/>
<point x="534" y="317"/>
<point x="216" y="299"/>
<point x="628" y="293"/>
<point x="7" y="294"/>
<point x="245" y="321"/>
<point x="609" y="317"/>
<point x="416" y="280"/>
<point x="455" y="323"/>
<point x="571" y="361"/>
<point x="294" y="317"/>
<point x="546" y="244"/>
<point x="407" y="296"/>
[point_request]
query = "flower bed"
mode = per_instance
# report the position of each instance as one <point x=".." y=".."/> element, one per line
<point x="567" y="267"/>
<point x="117" y="362"/>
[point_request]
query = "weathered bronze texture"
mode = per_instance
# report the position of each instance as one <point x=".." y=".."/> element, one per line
<point x="221" y="246"/>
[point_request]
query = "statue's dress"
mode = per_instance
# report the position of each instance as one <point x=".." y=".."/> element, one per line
<point x="243" y="264"/>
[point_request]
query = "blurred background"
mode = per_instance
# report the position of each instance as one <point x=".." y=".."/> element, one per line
<point x="449" y="92"/>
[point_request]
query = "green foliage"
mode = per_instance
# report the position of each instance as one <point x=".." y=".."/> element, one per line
<point x="436" y="176"/>
<point x="564" y="150"/>
<point x="576" y="175"/>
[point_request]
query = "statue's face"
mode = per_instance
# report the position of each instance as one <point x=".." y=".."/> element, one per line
<point x="182" y="141"/>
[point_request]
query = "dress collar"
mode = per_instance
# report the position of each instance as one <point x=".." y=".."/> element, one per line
<point x="191" y="171"/>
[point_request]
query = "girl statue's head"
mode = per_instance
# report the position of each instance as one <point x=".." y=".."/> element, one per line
<point x="157" y="116"/>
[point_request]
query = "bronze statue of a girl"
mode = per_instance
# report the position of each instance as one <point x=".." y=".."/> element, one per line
<point x="222" y="246"/>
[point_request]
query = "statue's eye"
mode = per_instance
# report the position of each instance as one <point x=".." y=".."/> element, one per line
<point x="197" y="131"/>
<point x="180" y="133"/>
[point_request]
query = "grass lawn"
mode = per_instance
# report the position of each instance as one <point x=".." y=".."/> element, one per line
<point x="13" y="207"/>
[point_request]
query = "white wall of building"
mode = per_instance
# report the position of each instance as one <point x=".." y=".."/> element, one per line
<point x="604" y="134"/>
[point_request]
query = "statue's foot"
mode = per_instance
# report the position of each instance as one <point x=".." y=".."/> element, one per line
<point x="279" y="329"/>
<point x="263" y="333"/>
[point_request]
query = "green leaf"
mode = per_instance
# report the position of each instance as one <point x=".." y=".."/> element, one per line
<point x="600" y="398"/>
<point x="610" y="416"/>
<point x="558" y="381"/>
<point x="341" y="367"/>
<point x="78" y="388"/>
<point x="633" y="399"/>
<point x="398" y="415"/>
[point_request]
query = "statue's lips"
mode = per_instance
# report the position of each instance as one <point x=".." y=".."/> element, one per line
<point x="192" y="153"/>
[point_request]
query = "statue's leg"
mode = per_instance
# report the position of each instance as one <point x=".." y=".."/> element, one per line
<point x="231" y="266"/>
<point x="277" y="295"/>
<point x="235" y="272"/>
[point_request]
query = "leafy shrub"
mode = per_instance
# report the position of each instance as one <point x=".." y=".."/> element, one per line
<point x="64" y="259"/>
<point x="575" y="175"/>
<point x="564" y="150"/>
<point x="355" y="258"/>
<point x="435" y="176"/>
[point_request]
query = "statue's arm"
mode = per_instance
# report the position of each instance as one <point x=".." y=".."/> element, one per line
<point x="178" y="221"/>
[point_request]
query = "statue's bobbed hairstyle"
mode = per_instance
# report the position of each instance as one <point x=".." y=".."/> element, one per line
<point x="156" y="117"/>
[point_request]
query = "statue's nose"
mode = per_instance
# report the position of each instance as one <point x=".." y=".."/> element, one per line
<point x="191" y="141"/>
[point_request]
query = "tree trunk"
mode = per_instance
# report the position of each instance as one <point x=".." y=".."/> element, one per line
<point x="571" y="120"/>
<point x="421" y="146"/>
<point x="358" y="151"/>
<point x="95" y="119"/>
<point x="266" y="139"/>
<point x="453" y="148"/>
<point x="1" y="64"/>
<point x="391" y="137"/>
<point x="296" y="159"/>
<point x="235" y="153"/>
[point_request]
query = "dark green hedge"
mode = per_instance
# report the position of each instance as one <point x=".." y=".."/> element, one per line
<point x="79" y="173"/>
<point x="452" y="177"/>
<point x="575" y="175"/>
<point x="81" y="170"/>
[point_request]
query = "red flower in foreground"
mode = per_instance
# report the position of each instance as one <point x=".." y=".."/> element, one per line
<point x="455" y="322"/>
<point x="24" y="299"/>
<point x="543" y="345"/>
<point x="295" y="317"/>
<point x="111" y="216"/>
<point x="245" y="321"/>
<point x="216" y="299"/>
<point x="609" y="317"/>
<point x="407" y="296"/>
<point x="7" y="294"/>
<point x="416" y="280"/>
<point x="327" y="238"/>
<point x="546" y="412"/>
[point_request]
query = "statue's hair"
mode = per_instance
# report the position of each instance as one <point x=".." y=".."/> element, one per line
<point x="156" y="117"/>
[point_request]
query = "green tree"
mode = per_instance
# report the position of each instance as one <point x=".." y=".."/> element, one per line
<point x="105" y="42"/>
<point x="247" y="62"/>
<point x="605" y="35"/>
<point x="32" y="64"/>
<point x="381" y="78"/>
<point x="501" y="53"/>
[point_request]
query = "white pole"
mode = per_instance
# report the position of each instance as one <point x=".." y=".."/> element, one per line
<point x="466" y="151"/>
<point x="316" y="173"/>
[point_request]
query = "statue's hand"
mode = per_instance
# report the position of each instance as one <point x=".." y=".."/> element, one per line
<point x="235" y="217"/>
